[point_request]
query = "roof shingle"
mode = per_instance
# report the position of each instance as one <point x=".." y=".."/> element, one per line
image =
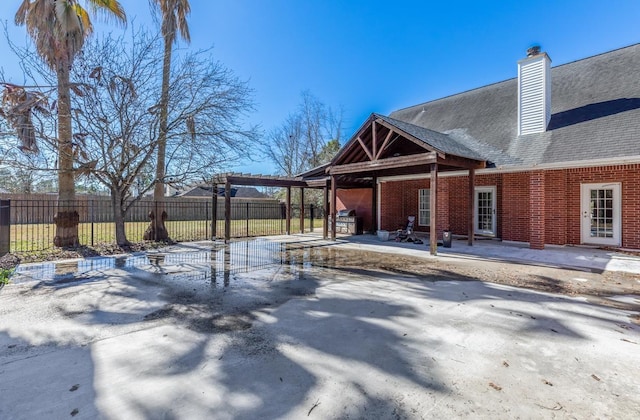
<point x="595" y="105"/>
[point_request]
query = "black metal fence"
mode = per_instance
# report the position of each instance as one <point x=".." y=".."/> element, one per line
<point x="31" y="225"/>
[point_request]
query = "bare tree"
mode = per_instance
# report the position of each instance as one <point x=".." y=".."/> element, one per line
<point x="117" y="118"/>
<point x="115" y="130"/>
<point x="300" y="142"/>
<point x="307" y="138"/>
<point x="206" y="127"/>
<point x="21" y="173"/>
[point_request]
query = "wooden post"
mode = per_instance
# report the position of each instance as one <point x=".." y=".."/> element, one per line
<point x="374" y="205"/>
<point x="333" y="207"/>
<point x="325" y="202"/>
<point x="472" y="197"/>
<point x="227" y="212"/>
<point x="301" y="210"/>
<point x="288" y="221"/>
<point x="433" y="205"/>
<point x="5" y="227"/>
<point x="214" y="213"/>
<point x="374" y="140"/>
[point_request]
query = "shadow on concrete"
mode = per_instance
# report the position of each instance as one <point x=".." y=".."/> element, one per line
<point x="211" y="335"/>
<point x="47" y="380"/>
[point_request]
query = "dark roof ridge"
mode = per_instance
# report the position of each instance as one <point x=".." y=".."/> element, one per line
<point x="509" y="79"/>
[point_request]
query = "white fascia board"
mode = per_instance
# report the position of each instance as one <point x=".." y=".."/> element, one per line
<point x="629" y="160"/>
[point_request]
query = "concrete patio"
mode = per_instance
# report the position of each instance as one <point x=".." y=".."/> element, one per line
<point x="583" y="257"/>
<point x="265" y="329"/>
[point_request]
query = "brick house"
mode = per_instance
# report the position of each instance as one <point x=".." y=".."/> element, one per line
<point x="551" y="157"/>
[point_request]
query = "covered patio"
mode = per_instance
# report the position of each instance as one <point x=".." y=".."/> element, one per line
<point x="382" y="147"/>
<point x="385" y="147"/>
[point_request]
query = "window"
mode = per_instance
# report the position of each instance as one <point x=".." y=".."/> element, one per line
<point x="424" y="210"/>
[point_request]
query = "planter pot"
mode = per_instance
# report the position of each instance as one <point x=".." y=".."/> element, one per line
<point x="383" y="235"/>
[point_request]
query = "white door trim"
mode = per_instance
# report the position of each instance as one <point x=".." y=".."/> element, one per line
<point x="590" y="234"/>
<point x="490" y="228"/>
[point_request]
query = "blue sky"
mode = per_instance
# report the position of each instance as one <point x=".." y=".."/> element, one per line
<point x="378" y="56"/>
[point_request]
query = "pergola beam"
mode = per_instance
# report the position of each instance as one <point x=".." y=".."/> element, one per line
<point x="333" y="212"/>
<point x="288" y="221"/>
<point x="302" y="210"/>
<point x="389" y="163"/>
<point x="373" y="141"/>
<point x="325" y="202"/>
<point x="365" y="148"/>
<point x="461" y="162"/>
<point x="433" y="206"/>
<point x="384" y="144"/>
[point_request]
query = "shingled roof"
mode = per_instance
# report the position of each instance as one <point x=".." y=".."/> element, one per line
<point x="595" y="106"/>
<point x="439" y="141"/>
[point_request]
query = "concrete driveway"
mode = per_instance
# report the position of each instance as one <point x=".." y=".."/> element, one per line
<point x="269" y="330"/>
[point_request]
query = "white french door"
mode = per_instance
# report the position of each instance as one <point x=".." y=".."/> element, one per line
<point x="485" y="211"/>
<point x="601" y="214"/>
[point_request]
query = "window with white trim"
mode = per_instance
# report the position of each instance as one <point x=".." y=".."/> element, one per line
<point x="424" y="209"/>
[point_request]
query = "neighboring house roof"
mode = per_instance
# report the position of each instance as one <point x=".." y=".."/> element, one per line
<point x="595" y="107"/>
<point x="249" y="192"/>
<point x="237" y="192"/>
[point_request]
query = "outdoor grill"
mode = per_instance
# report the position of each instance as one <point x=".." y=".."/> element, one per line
<point x="346" y="213"/>
<point x="348" y="222"/>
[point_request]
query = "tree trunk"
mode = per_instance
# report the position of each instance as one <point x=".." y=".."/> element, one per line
<point x="157" y="230"/>
<point x="118" y="217"/>
<point x="66" y="218"/>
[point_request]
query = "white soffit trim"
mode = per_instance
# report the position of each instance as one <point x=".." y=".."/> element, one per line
<point x="510" y="169"/>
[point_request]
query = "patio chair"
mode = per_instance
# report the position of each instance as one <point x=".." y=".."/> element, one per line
<point x="406" y="233"/>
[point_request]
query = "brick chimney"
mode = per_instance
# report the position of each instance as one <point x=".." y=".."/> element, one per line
<point x="534" y="92"/>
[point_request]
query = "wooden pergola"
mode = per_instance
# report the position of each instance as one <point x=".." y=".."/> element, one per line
<point x="386" y="147"/>
<point x="230" y="179"/>
<point x="315" y="178"/>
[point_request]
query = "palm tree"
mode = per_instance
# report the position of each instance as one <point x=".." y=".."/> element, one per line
<point x="58" y="29"/>
<point x="174" y="19"/>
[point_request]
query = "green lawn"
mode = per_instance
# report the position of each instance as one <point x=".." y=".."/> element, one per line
<point x="39" y="237"/>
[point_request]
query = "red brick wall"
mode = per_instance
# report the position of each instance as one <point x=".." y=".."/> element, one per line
<point x="359" y="199"/>
<point x="515" y="204"/>
<point x="558" y="199"/>
<point x="537" y="209"/>
<point x="399" y="200"/>
<point x="458" y="204"/>
<point x="443" y="220"/>
<point x="556" y="205"/>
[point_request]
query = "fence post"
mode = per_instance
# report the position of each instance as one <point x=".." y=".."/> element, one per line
<point x="155" y="220"/>
<point x="206" y="219"/>
<point x="91" y="201"/>
<point x="5" y="227"/>
<point x="247" y="219"/>
<point x="311" y="208"/>
<point x="214" y="214"/>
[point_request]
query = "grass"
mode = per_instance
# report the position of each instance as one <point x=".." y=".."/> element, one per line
<point x="5" y="273"/>
<point x="39" y="237"/>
